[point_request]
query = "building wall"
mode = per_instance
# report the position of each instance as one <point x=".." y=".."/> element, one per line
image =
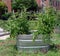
<point x="54" y="3"/>
<point x="46" y="2"/>
<point x="40" y="2"/>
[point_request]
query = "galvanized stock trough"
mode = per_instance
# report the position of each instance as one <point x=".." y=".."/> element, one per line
<point x="26" y="43"/>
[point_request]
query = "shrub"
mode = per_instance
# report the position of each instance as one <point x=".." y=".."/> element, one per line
<point x="18" y="25"/>
<point x="46" y="24"/>
<point x="58" y="21"/>
<point x="5" y="16"/>
<point x="32" y="16"/>
<point x="2" y="7"/>
<point x="21" y="4"/>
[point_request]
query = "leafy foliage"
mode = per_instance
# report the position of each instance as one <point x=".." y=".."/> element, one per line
<point x="2" y="6"/>
<point x="2" y="9"/>
<point x="46" y="24"/>
<point x="5" y="16"/>
<point x="18" y="25"/>
<point x="21" y="4"/>
<point x="58" y="21"/>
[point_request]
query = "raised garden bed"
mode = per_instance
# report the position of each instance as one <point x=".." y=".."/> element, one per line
<point x="26" y="43"/>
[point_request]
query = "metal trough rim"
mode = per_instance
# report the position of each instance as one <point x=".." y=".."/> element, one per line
<point x="33" y="47"/>
<point x="29" y="40"/>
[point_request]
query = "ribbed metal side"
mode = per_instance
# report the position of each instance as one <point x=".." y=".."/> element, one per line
<point x="32" y="48"/>
<point x="28" y="37"/>
<point x="25" y="43"/>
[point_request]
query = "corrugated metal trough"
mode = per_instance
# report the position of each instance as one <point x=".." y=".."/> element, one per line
<point x="26" y="43"/>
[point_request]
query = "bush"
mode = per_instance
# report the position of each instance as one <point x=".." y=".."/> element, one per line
<point x="46" y="24"/>
<point x="21" y="4"/>
<point x="58" y="21"/>
<point x="2" y="7"/>
<point x="32" y="16"/>
<point x="5" y="16"/>
<point x="18" y="25"/>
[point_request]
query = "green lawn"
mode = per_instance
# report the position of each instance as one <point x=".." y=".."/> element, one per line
<point x="8" y="48"/>
<point x="56" y="38"/>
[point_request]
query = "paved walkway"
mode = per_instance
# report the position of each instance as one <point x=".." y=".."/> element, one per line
<point x="3" y="34"/>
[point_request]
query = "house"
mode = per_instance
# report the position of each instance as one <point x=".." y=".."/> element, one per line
<point x="53" y="3"/>
<point x="56" y="4"/>
<point x="40" y="3"/>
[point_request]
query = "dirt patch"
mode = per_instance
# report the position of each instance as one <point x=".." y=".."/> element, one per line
<point x="55" y="47"/>
<point x="8" y="42"/>
<point x="58" y="46"/>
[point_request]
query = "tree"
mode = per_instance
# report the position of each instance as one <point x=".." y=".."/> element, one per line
<point x="2" y="7"/>
<point x="21" y="4"/>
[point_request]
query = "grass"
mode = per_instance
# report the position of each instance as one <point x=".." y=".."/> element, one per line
<point x="8" y="48"/>
<point x="56" y="38"/>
